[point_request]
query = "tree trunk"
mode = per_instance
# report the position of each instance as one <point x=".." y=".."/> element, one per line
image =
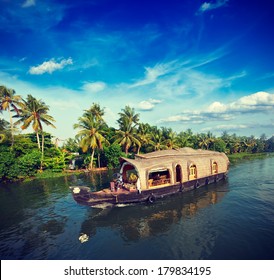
<point x="91" y="160"/>
<point x="99" y="164"/>
<point x="126" y="149"/>
<point x="42" y="157"/>
<point x="11" y="127"/>
<point x="38" y="140"/>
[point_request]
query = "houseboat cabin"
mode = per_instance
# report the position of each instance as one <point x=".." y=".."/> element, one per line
<point x="154" y="175"/>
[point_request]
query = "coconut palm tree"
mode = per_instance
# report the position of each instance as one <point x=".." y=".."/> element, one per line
<point x="96" y="111"/>
<point x="35" y="112"/>
<point x="185" y="139"/>
<point x="126" y="136"/>
<point x="4" y="130"/>
<point x="143" y="135"/>
<point x="157" y="139"/>
<point x="90" y="134"/>
<point x="8" y="100"/>
<point x="4" y="125"/>
<point x="128" y="118"/>
<point x="127" y="139"/>
<point x="172" y="140"/>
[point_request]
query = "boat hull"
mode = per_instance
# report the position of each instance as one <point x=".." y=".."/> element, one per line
<point x="105" y="198"/>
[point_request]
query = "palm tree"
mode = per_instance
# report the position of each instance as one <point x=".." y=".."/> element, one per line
<point x="143" y="134"/>
<point x="96" y="111"/>
<point x="4" y="130"/>
<point x="4" y="125"/>
<point x="8" y="99"/>
<point x="128" y="118"/>
<point x="172" y="140"/>
<point x="185" y="139"/>
<point x="35" y="112"/>
<point x="127" y="139"/>
<point x="126" y="136"/>
<point x="157" y="139"/>
<point x="91" y="134"/>
<point x="203" y="141"/>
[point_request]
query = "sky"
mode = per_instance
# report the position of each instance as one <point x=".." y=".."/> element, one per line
<point x="188" y="64"/>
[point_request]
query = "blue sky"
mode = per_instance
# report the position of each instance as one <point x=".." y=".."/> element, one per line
<point x="204" y="65"/>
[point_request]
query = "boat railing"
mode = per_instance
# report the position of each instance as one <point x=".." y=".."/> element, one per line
<point x="158" y="182"/>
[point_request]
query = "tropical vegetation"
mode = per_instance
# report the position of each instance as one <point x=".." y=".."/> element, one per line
<point x="96" y="144"/>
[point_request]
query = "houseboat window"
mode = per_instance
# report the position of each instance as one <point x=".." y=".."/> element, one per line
<point x="214" y="167"/>
<point x="178" y="173"/>
<point x="158" y="177"/>
<point x="192" y="172"/>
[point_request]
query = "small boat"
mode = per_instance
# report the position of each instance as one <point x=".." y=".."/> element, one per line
<point x="154" y="175"/>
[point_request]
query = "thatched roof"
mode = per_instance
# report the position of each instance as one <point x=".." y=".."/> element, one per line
<point x="165" y="157"/>
<point x="175" y="152"/>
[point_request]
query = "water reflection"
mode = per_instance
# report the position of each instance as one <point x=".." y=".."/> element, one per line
<point x="142" y="221"/>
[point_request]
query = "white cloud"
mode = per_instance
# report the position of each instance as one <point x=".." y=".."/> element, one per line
<point x="226" y="127"/>
<point x="153" y="73"/>
<point x="259" y="102"/>
<point x="187" y="117"/>
<point x="28" y="3"/>
<point x="260" y="98"/>
<point x="206" y="6"/>
<point x="183" y="77"/>
<point x="148" y="105"/>
<point x="217" y="107"/>
<point x="50" y="66"/>
<point x="94" y="87"/>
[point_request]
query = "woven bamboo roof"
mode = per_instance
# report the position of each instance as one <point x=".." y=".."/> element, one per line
<point x="175" y="152"/>
<point x="166" y="157"/>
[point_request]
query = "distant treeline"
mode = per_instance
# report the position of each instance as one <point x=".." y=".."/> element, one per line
<point x="96" y="144"/>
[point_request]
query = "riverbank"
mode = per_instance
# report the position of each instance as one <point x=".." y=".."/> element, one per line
<point x="46" y="174"/>
<point x="233" y="158"/>
<point x="238" y="157"/>
<point x="50" y="174"/>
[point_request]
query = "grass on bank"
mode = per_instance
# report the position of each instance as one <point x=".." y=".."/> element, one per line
<point x="46" y="174"/>
<point x="238" y="157"/>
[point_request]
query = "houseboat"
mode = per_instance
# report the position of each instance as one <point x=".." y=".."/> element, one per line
<point x="154" y="175"/>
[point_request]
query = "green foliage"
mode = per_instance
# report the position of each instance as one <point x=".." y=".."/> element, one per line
<point x="57" y="161"/>
<point x="111" y="156"/>
<point x="270" y="144"/>
<point x="71" y="145"/>
<point x="13" y="167"/>
<point x="29" y="163"/>
<point x="7" y="164"/>
<point x="2" y="138"/>
<point x="219" y="145"/>
<point x="23" y="145"/>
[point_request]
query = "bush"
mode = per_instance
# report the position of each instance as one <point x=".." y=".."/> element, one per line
<point x="8" y="167"/>
<point x="220" y="145"/>
<point x="111" y="156"/>
<point x="23" y="145"/>
<point x="57" y="161"/>
<point x="29" y="163"/>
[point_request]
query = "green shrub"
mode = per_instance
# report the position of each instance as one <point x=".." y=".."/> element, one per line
<point x="8" y="166"/>
<point x="29" y="164"/>
<point x="111" y="156"/>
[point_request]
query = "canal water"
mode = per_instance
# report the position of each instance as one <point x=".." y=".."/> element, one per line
<point x="233" y="219"/>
